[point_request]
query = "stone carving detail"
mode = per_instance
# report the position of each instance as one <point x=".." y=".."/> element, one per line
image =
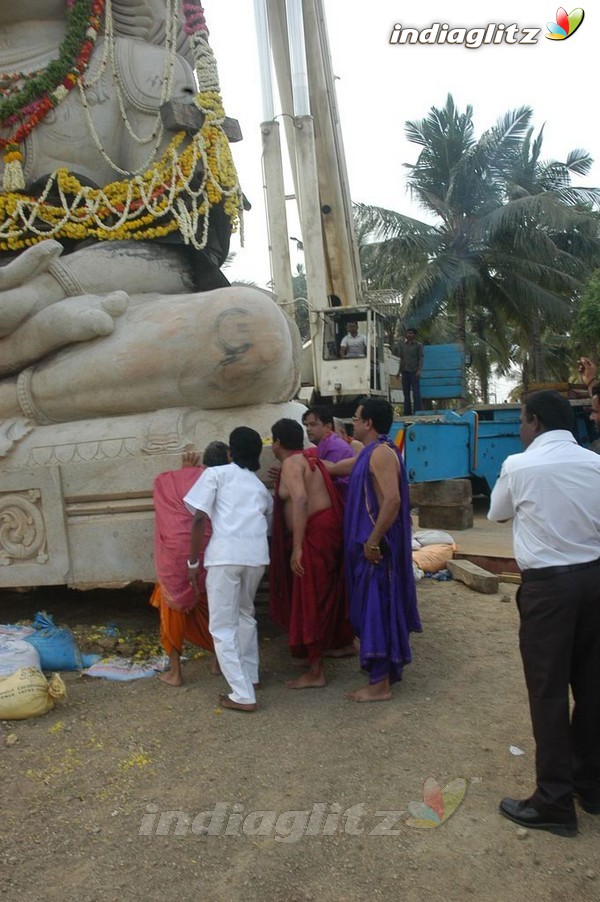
<point x="107" y="449"/>
<point x="11" y="431"/>
<point x="22" y="528"/>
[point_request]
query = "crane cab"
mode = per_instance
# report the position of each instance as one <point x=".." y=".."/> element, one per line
<point x="330" y="376"/>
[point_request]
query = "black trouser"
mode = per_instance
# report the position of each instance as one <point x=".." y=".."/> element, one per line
<point x="411" y="382"/>
<point x="560" y="646"/>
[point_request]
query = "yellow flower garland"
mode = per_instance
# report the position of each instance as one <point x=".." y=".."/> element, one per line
<point x="145" y="207"/>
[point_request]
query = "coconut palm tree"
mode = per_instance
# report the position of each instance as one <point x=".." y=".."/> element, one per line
<point x="493" y="246"/>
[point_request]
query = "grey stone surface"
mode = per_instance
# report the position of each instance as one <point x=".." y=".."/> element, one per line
<point x="473" y="576"/>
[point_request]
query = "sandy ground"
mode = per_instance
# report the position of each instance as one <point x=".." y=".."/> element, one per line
<point x="77" y="784"/>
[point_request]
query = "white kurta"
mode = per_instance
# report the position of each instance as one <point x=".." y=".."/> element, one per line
<point x="240" y="510"/>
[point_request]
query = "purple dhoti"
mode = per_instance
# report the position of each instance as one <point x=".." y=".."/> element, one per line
<point x="383" y="598"/>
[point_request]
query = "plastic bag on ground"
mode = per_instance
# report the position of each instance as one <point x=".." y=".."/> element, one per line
<point x="57" y="646"/>
<point x="27" y="693"/>
<point x="433" y="537"/>
<point x="15" y="654"/>
<point x="123" y="669"/>
<point x="417" y="572"/>
<point x="15" y="631"/>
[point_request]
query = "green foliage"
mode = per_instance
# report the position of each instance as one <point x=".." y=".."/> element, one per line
<point x="301" y="308"/>
<point x="586" y="332"/>
<point x="510" y="244"/>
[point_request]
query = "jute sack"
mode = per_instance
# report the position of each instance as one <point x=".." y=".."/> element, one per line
<point x="27" y="693"/>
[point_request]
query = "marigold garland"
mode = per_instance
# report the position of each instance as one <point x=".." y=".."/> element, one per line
<point x="174" y="194"/>
<point x="164" y="200"/>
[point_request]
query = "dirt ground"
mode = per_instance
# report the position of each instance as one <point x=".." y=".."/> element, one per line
<point x="79" y="784"/>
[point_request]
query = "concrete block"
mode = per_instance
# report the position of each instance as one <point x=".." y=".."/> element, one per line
<point x="473" y="576"/>
<point x="444" y="492"/>
<point x="451" y="518"/>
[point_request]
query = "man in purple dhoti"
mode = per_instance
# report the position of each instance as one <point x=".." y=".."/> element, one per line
<point x="377" y="536"/>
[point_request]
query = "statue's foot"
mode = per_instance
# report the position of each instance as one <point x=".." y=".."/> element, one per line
<point x="63" y="323"/>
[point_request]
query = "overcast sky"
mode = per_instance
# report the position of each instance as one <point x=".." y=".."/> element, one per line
<point x="380" y="86"/>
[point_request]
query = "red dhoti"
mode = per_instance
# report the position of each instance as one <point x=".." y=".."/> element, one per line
<point x="312" y="608"/>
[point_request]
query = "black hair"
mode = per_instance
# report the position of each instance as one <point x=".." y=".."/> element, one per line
<point x="322" y="413"/>
<point x="245" y="445"/>
<point x="380" y="412"/>
<point x="289" y="434"/>
<point x="216" y="454"/>
<point x="552" y="410"/>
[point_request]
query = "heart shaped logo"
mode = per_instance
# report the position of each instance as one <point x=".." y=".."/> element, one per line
<point x="566" y="24"/>
<point x="438" y="804"/>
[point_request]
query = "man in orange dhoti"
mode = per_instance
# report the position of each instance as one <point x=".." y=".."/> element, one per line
<point x="183" y="614"/>
<point x="306" y="581"/>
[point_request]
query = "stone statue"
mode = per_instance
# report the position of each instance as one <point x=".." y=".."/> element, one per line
<point x="121" y="341"/>
<point x="158" y="304"/>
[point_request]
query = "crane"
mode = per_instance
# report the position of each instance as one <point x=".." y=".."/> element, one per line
<point x="293" y="43"/>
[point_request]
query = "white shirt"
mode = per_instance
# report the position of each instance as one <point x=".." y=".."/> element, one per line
<point x="356" y="345"/>
<point x="240" y="510"/>
<point x="552" y="490"/>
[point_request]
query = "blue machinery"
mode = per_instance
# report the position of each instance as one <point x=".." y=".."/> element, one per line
<point x="475" y="443"/>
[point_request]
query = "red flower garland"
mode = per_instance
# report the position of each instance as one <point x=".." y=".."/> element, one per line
<point x="32" y="114"/>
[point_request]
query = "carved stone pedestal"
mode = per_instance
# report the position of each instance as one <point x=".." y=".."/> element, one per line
<point x="76" y="498"/>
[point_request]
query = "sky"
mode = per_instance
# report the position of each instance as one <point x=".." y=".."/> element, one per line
<point x="380" y="86"/>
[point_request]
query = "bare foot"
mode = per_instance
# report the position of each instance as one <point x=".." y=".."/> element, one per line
<point x="345" y="652"/>
<point x="171" y="679"/>
<point x="226" y="702"/>
<point x="307" y="681"/>
<point x="375" y="693"/>
<point x="214" y="666"/>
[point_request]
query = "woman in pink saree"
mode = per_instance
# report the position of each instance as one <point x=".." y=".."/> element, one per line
<point x="183" y="613"/>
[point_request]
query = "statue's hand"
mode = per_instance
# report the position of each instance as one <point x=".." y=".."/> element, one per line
<point x="29" y="264"/>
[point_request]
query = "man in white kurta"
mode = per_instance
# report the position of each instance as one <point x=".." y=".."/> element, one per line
<point x="240" y="509"/>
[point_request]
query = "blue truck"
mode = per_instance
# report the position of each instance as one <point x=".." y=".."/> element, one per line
<point x="472" y="443"/>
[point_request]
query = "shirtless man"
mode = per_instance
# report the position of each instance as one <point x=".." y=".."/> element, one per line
<point x="307" y="588"/>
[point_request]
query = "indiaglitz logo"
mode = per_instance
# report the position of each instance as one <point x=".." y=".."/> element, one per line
<point x="566" y="24"/>
<point x="438" y="804"/>
<point x="471" y="38"/>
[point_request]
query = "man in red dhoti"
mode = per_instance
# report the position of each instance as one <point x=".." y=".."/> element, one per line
<point x="183" y="614"/>
<point x="307" y="587"/>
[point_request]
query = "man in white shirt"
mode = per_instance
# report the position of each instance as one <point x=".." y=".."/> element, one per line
<point x="240" y="510"/>
<point x="353" y="344"/>
<point x="552" y="490"/>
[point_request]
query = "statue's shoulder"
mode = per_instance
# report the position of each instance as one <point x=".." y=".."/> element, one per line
<point x="142" y="69"/>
